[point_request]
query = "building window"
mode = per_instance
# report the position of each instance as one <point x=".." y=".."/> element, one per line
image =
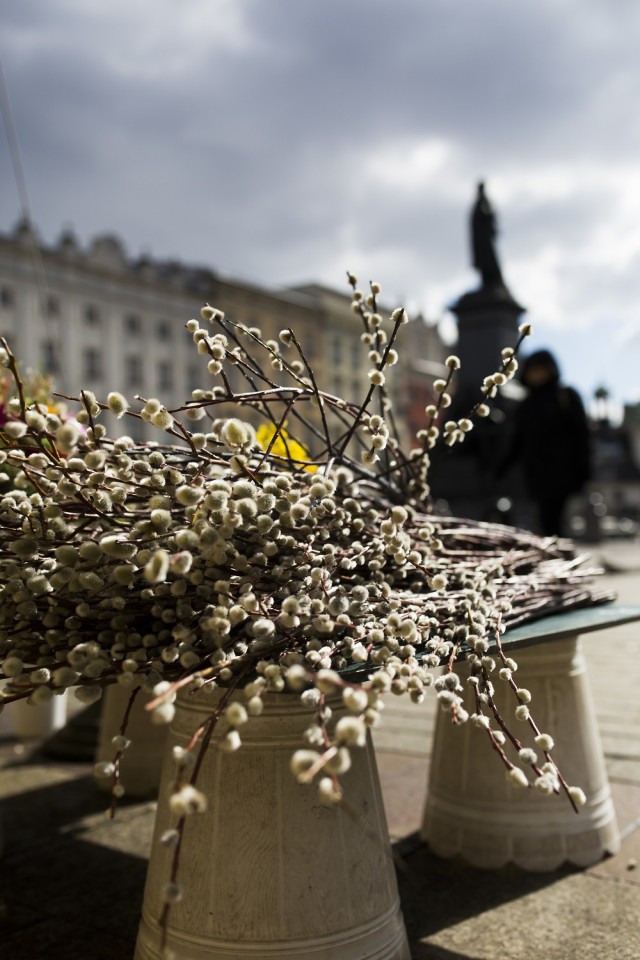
<point x="92" y="363"/>
<point x="235" y="377"/>
<point x="52" y="307"/>
<point x="357" y="354"/>
<point x="91" y="315"/>
<point x="194" y="377"/>
<point x="163" y="330"/>
<point x="133" y="325"/>
<point x="133" y="372"/>
<point x="49" y="358"/>
<point x="136" y="428"/>
<point x="336" y="351"/>
<point x="165" y="375"/>
<point x="6" y="297"/>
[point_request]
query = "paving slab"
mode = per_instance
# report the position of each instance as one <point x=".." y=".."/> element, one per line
<point x="457" y="913"/>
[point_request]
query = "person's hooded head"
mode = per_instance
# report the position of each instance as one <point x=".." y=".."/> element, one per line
<point x="539" y="369"/>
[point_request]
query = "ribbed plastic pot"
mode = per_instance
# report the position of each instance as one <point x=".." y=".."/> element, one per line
<point x="38" y="721"/>
<point x="268" y="871"/>
<point x="473" y="812"/>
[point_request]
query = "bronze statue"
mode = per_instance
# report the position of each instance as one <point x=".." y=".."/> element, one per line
<point x="483" y="234"/>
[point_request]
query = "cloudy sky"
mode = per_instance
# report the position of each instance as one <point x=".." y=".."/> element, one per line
<point x="289" y="140"/>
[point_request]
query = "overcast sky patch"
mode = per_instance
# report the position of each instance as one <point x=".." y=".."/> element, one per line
<point x="285" y="142"/>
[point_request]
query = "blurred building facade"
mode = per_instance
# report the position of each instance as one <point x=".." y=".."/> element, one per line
<point x="610" y="506"/>
<point x="94" y="318"/>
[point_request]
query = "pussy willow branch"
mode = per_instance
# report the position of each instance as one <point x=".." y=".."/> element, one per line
<point x="256" y="367"/>
<point x="536" y="730"/>
<point x="343" y="442"/>
<point x="119" y="753"/>
<point x="13" y="367"/>
<point x="206" y="730"/>
<point x="319" y="398"/>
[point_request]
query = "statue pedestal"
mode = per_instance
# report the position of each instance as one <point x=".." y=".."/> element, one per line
<point x="487" y="322"/>
<point x="464" y="476"/>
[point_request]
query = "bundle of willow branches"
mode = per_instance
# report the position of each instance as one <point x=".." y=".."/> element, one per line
<point x="273" y="539"/>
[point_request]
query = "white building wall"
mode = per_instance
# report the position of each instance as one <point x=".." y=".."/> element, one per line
<point x="33" y="331"/>
<point x="159" y="293"/>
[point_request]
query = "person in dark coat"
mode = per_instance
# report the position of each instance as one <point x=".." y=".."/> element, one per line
<point x="551" y="440"/>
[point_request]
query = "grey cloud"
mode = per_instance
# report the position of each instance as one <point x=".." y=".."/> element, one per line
<point x="254" y="153"/>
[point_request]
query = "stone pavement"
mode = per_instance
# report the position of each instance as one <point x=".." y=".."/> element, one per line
<point x="71" y="882"/>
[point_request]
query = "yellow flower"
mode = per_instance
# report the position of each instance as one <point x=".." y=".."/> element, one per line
<point x="283" y="445"/>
